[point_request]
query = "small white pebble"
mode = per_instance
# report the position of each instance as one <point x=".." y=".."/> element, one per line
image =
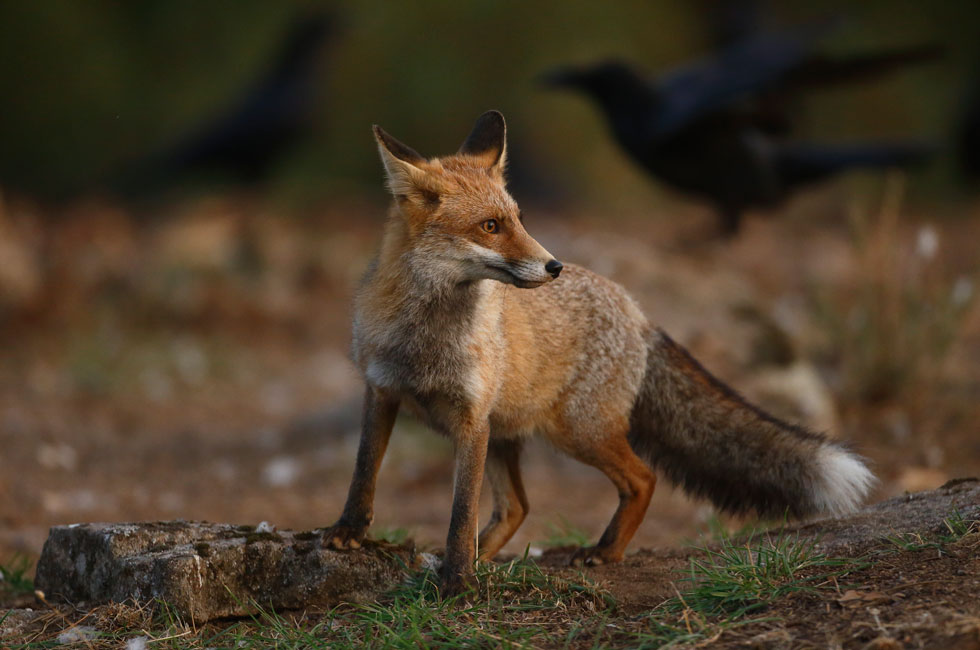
<point x="534" y="551"/>
<point x="79" y="634"/>
<point x="136" y="643"/>
<point x="265" y="527"/>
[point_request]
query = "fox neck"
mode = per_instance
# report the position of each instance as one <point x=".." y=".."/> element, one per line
<point x="415" y="272"/>
<point x="419" y="290"/>
<point x="412" y="328"/>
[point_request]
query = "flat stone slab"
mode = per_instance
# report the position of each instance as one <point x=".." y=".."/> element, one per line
<point x="206" y="571"/>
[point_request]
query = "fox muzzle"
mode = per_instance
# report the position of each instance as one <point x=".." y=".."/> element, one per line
<point x="554" y="268"/>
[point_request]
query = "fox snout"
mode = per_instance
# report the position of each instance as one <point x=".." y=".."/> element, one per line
<point x="554" y="267"/>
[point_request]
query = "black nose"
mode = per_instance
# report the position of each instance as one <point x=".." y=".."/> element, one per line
<point x="553" y="267"/>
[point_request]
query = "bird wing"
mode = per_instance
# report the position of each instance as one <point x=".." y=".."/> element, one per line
<point x="751" y="65"/>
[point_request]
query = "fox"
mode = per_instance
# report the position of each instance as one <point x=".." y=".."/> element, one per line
<point x="470" y="324"/>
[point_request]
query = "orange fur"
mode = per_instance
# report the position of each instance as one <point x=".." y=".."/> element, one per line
<point x="464" y="320"/>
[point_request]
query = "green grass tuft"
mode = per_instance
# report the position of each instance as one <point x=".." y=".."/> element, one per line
<point x="956" y="525"/>
<point x="734" y="582"/>
<point x="13" y="575"/>
<point x="738" y="579"/>
<point x="564" y="533"/>
<point x="392" y="535"/>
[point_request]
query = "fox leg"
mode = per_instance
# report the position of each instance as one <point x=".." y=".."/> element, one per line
<point x="635" y="482"/>
<point x="380" y="410"/>
<point x="509" y="500"/>
<point x="471" y="456"/>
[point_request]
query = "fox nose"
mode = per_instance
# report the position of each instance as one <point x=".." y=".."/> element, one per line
<point x="553" y="267"/>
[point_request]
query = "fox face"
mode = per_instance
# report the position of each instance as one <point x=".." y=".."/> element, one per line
<point x="460" y="220"/>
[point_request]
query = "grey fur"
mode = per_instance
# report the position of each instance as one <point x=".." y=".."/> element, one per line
<point x="711" y="441"/>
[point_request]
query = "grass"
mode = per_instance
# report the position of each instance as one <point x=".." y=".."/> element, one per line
<point x="13" y="575"/>
<point x="727" y="585"/>
<point x="516" y="604"/>
<point x="733" y="582"/>
<point x="734" y="579"/>
<point x="956" y="525"/>
<point x="564" y="533"/>
<point x="397" y="535"/>
<point x="893" y="332"/>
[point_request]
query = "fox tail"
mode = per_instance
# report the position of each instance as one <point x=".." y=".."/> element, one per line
<point x="708" y="439"/>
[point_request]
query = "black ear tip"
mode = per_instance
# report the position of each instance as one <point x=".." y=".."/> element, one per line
<point x="493" y="117"/>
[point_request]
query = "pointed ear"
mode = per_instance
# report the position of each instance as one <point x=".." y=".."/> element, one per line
<point x="402" y="165"/>
<point x="488" y="141"/>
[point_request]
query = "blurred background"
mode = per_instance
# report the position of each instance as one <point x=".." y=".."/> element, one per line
<point x="189" y="193"/>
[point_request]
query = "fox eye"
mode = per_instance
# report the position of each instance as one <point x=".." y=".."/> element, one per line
<point x="490" y="225"/>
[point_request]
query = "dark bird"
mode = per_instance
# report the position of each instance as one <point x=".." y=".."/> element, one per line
<point x="967" y="136"/>
<point x="244" y="140"/>
<point x="717" y="128"/>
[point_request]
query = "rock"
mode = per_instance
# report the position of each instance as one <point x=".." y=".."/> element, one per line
<point x="206" y="571"/>
<point x="920" y="513"/>
<point x="13" y="622"/>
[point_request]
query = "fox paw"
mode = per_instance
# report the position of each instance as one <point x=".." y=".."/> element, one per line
<point x="593" y="556"/>
<point x="451" y="585"/>
<point x="342" y="537"/>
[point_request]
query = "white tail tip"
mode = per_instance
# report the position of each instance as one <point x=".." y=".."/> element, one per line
<point x="843" y="481"/>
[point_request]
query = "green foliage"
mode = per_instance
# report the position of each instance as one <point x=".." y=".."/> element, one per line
<point x="959" y="526"/>
<point x="564" y="533"/>
<point x="735" y="581"/>
<point x="512" y="607"/>
<point x="13" y="575"/>
<point x="396" y="535"/>
<point x="956" y="525"/>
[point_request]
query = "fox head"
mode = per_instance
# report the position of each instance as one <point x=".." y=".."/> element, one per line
<point x="457" y="213"/>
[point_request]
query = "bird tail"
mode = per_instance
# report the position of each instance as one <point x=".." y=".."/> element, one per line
<point x="828" y="70"/>
<point x="713" y="443"/>
<point x="803" y="163"/>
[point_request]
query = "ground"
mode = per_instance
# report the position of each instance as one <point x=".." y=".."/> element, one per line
<point x="194" y="365"/>
<point x="900" y="574"/>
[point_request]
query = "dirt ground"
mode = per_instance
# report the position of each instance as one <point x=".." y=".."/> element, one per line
<point x="910" y="579"/>
<point x="194" y="365"/>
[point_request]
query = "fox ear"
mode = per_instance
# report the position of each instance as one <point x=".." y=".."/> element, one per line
<point x="488" y="141"/>
<point x="401" y="162"/>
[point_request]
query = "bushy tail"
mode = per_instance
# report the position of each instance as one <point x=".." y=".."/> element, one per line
<point x="709" y="440"/>
<point x="860" y="68"/>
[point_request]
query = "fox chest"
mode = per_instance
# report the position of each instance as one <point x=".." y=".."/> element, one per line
<point x="420" y="365"/>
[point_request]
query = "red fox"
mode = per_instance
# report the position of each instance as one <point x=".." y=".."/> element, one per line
<point x="443" y="325"/>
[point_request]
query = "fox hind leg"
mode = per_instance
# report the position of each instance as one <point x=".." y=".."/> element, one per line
<point x="509" y="500"/>
<point x="635" y="482"/>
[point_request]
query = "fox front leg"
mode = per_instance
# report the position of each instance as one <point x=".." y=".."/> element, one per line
<point x="380" y="410"/>
<point x="471" y="455"/>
